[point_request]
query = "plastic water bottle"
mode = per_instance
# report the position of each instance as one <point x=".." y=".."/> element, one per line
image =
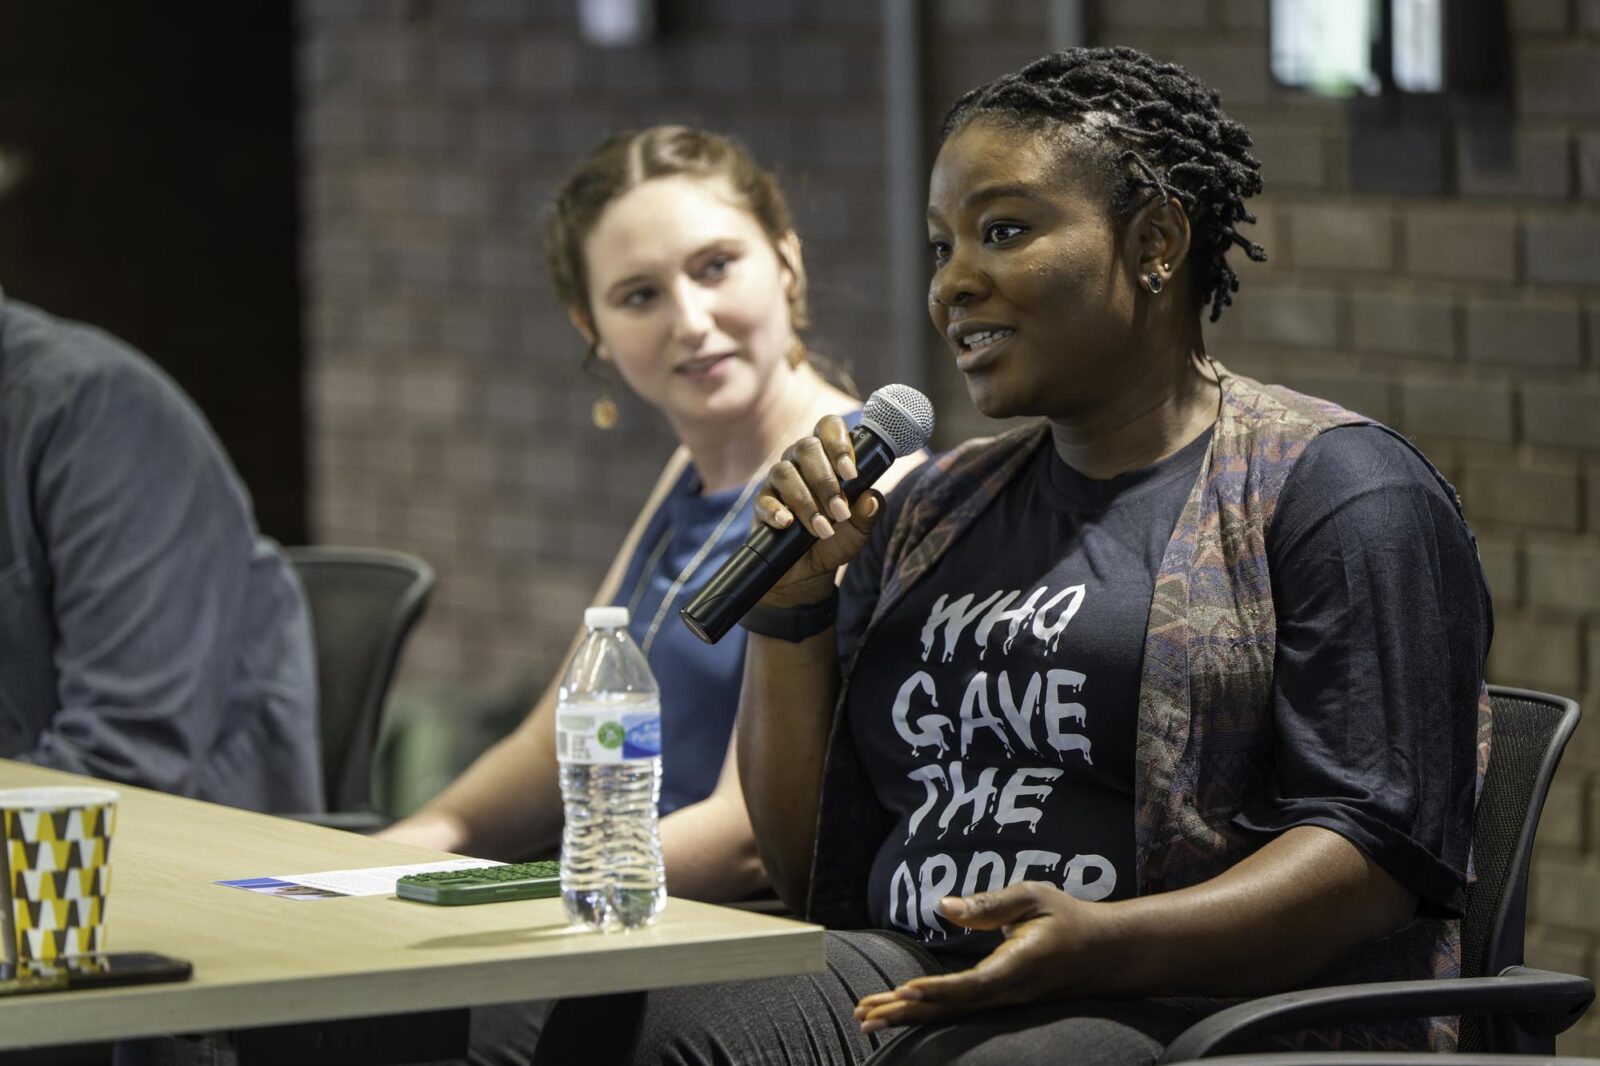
<point x="608" y="742"/>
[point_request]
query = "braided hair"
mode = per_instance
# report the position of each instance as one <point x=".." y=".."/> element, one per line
<point x="1146" y="126"/>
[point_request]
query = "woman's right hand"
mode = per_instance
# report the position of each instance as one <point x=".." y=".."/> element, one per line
<point x="803" y="487"/>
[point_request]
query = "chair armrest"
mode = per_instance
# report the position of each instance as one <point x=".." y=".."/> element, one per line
<point x="1539" y="1001"/>
<point x="349" y="821"/>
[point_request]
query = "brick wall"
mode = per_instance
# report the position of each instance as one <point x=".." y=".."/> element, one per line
<point x="450" y="418"/>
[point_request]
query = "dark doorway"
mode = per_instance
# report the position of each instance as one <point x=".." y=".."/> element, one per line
<point x="159" y="202"/>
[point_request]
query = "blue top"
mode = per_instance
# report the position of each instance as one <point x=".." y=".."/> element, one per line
<point x="699" y="682"/>
<point x="148" y="635"/>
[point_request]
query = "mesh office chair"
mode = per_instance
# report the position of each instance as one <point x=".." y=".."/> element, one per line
<point x="364" y="603"/>
<point x="1505" y="1007"/>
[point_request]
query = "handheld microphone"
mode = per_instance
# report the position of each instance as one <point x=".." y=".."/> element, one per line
<point x="896" y="420"/>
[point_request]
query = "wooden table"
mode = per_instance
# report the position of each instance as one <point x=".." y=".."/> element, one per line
<point x="263" y="960"/>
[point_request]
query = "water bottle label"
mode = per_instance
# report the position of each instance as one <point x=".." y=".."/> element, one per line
<point x="597" y="734"/>
<point x="641" y="735"/>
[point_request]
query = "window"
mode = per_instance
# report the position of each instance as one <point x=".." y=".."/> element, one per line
<point x="1325" y="46"/>
<point x="1389" y="47"/>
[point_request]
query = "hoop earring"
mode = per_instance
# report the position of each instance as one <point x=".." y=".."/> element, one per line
<point x="603" y="412"/>
<point x="1152" y="281"/>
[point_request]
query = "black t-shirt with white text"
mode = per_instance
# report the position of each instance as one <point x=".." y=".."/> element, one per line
<point x="1005" y="747"/>
<point x="995" y="707"/>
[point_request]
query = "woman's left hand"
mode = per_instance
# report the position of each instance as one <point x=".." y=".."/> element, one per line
<point x="1047" y="953"/>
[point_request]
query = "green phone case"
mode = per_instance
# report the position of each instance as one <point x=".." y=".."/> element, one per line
<point x="490" y="884"/>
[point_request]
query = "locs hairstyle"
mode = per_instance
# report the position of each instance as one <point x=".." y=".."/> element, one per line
<point x="1148" y="127"/>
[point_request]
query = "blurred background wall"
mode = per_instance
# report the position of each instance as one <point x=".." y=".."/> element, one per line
<point x="450" y="415"/>
<point x="343" y="198"/>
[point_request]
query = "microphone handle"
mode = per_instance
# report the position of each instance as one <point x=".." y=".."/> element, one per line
<point x="767" y="554"/>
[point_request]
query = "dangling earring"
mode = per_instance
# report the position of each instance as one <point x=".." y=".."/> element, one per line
<point x="1153" y="282"/>
<point x="797" y="351"/>
<point x="603" y="413"/>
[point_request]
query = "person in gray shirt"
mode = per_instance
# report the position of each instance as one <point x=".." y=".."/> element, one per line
<point x="148" y="634"/>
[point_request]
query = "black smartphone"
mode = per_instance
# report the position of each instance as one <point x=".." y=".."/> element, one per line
<point x="109" y="970"/>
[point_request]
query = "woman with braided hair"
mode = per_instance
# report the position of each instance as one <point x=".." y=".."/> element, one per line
<point x="1170" y="695"/>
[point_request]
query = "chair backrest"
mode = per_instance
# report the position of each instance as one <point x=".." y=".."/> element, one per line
<point x="364" y="603"/>
<point x="1530" y="731"/>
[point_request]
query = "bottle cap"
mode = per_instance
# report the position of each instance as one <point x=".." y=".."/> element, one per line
<point x="605" y="617"/>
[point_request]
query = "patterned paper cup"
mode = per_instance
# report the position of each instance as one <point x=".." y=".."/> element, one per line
<point x="57" y="847"/>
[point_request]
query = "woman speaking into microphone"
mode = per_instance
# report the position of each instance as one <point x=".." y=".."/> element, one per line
<point x="1172" y="693"/>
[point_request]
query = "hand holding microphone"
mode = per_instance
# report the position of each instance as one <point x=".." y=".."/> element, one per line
<point x="820" y="486"/>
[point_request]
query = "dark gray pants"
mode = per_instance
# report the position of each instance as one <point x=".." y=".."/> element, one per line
<point x="807" y="1019"/>
<point x="796" y="1020"/>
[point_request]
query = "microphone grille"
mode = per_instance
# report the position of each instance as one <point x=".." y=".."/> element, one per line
<point x="902" y="416"/>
